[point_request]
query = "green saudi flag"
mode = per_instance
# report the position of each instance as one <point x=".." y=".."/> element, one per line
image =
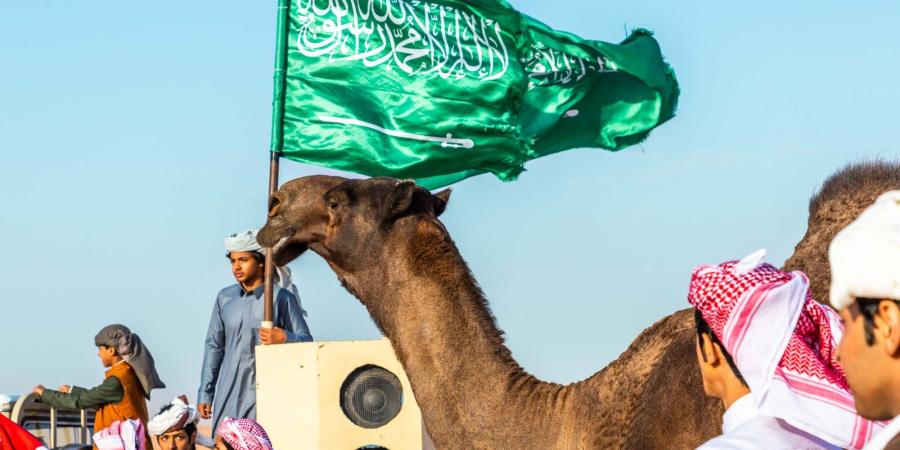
<point x="445" y="89"/>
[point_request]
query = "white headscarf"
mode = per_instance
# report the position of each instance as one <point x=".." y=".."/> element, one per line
<point x="243" y="242"/>
<point x="176" y="417"/>
<point x="865" y="255"/>
<point x="246" y="242"/>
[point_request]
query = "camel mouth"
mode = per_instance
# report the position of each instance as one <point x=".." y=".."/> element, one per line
<point x="280" y="244"/>
<point x="285" y="250"/>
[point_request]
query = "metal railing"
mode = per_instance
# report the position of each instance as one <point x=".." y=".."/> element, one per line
<point x="83" y="432"/>
<point x="29" y="408"/>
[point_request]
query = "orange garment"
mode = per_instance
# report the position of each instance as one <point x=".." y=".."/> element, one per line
<point x="132" y="405"/>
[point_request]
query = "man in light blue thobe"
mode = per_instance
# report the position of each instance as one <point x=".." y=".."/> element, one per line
<point x="228" y="377"/>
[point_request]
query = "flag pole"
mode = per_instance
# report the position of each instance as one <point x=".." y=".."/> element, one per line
<point x="281" y="37"/>
<point x="268" y="291"/>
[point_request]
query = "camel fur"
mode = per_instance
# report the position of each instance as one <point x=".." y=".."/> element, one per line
<point x="383" y="239"/>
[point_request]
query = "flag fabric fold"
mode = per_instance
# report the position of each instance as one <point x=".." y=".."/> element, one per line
<point x="14" y="437"/>
<point x="445" y="89"/>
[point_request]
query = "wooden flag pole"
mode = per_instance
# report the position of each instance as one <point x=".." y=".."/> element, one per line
<point x="281" y="36"/>
<point x="268" y="291"/>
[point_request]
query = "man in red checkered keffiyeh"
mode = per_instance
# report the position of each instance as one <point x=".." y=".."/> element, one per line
<point x="241" y="434"/>
<point x="768" y="351"/>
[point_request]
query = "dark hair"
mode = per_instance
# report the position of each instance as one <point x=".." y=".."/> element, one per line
<point x="868" y="308"/>
<point x="704" y="328"/>
<point x="258" y="256"/>
<point x="190" y="428"/>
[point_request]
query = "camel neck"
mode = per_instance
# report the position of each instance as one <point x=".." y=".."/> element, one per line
<point x="437" y="319"/>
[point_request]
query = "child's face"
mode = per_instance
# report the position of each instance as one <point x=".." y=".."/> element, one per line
<point x="245" y="267"/>
<point x="106" y="355"/>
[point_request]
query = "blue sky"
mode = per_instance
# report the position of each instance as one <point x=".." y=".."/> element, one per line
<point x="134" y="137"/>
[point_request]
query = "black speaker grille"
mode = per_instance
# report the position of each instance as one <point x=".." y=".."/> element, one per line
<point x="371" y="396"/>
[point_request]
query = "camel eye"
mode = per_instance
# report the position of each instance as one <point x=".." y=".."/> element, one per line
<point x="332" y="204"/>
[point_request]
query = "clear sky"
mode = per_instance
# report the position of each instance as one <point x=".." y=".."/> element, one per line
<point x="134" y="137"/>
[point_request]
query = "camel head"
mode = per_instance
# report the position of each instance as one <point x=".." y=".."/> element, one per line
<point x="343" y="219"/>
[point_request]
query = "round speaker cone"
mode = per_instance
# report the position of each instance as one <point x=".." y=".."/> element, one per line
<point x="371" y="396"/>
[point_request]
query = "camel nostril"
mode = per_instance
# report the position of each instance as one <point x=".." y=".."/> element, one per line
<point x="274" y="205"/>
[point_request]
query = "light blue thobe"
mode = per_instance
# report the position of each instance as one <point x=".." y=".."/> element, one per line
<point x="228" y="377"/>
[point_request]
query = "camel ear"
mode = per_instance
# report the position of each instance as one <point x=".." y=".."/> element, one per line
<point x="439" y="201"/>
<point x="404" y="192"/>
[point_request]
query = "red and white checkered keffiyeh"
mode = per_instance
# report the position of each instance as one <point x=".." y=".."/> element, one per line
<point x="784" y="344"/>
<point x="244" y="434"/>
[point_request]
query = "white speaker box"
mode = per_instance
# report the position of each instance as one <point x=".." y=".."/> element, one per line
<point x="343" y="395"/>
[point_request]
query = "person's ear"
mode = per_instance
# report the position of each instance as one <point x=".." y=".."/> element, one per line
<point x="707" y="350"/>
<point x="888" y="326"/>
<point x="717" y="355"/>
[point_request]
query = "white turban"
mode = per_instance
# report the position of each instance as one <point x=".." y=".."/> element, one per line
<point x="243" y="242"/>
<point x="176" y="417"/>
<point x="246" y="242"/>
<point x="865" y="256"/>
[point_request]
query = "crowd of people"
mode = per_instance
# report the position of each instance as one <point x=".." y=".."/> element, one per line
<point x="227" y="392"/>
<point x="792" y="373"/>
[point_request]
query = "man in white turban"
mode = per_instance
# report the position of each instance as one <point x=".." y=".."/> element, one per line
<point x="175" y="427"/>
<point x="865" y="289"/>
<point x="228" y="377"/>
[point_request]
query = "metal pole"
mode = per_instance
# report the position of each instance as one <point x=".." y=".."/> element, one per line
<point x="53" y="427"/>
<point x="281" y="49"/>
<point x="84" y="438"/>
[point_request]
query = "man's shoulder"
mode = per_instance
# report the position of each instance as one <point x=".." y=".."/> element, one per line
<point x="120" y="373"/>
<point x="284" y="295"/>
<point x="766" y="432"/>
<point x="230" y="291"/>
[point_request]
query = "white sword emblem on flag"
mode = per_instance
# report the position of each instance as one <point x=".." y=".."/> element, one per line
<point x="447" y="141"/>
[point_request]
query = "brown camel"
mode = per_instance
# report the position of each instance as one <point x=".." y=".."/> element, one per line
<point x="384" y="241"/>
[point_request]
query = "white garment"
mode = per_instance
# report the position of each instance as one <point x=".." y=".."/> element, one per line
<point x="744" y="428"/>
<point x="121" y="435"/>
<point x="884" y="436"/>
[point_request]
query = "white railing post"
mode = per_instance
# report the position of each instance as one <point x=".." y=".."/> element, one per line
<point x="84" y="438"/>
<point x="53" y="427"/>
